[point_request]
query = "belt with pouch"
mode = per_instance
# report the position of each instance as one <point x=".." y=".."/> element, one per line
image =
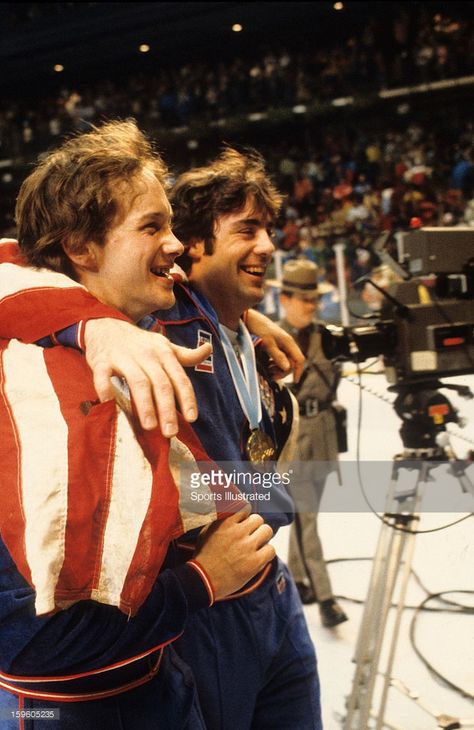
<point x="312" y="407"/>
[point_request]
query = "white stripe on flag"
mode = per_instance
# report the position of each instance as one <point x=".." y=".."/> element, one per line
<point x="14" y="278"/>
<point x="43" y="436"/>
<point x="194" y="512"/>
<point x="131" y="487"/>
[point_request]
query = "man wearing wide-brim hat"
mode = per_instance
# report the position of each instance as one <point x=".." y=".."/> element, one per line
<point x="317" y="444"/>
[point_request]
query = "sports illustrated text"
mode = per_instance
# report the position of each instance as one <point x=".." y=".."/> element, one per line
<point x="351" y="486"/>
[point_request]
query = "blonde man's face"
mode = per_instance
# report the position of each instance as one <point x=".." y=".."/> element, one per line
<point x="132" y="267"/>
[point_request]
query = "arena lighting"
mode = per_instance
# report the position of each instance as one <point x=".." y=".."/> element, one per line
<point x="343" y="101"/>
<point x="430" y="86"/>
<point x="403" y="108"/>
<point x="237" y="27"/>
<point x="58" y="67"/>
<point x="144" y="48"/>
<point x="257" y="116"/>
<point x="299" y="109"/>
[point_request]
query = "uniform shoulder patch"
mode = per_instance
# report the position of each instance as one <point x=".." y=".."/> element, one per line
<point x="207" y="365"/>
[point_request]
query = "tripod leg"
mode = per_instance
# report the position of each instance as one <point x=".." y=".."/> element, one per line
<point x="373" y="623"/>
<point x="387" y="562"/>
<point x="407" y="546"/>
<point x="372" y="635"/>
<point x="409" y="523"/>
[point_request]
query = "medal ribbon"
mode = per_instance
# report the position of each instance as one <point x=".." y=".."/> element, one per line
<point x="246" y="382"/>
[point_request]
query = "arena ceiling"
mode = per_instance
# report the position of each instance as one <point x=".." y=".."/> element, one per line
<point x="88" y="39"/>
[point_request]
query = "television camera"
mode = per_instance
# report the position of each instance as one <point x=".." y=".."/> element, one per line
<point x="424" y="330"/>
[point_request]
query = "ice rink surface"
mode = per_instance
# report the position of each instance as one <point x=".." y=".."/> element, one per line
<point x="443" y="560"/>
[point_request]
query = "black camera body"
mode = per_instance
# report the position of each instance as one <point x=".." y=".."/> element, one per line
<point x="426" y="325"/>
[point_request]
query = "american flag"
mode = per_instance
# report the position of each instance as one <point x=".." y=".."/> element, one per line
<point x="89" y="501"/>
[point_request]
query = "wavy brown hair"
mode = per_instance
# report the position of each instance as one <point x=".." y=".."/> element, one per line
<point x="199" y="197"/>
<point x="72" y="194"/>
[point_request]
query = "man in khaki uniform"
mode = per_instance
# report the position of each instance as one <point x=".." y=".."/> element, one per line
<point x="317" y="442"/>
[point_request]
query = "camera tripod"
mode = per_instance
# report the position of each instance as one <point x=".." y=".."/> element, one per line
<point x="424" y="412"/>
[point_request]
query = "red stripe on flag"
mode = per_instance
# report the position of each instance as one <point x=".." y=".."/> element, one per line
<point x="24" y="317"/>
<point x="91" y="427"/>
<point x="157" y="528"/>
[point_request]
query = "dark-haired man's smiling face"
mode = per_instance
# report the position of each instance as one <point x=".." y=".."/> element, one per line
<point x="232" y="277"/>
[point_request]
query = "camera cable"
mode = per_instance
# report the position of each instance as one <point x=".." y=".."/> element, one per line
<point x="413" y="639"/>
<point x="452" y="607"/>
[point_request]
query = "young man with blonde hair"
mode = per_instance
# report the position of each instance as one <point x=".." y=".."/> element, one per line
<point x="251" y="655"/>
<point x="91" y="500"/>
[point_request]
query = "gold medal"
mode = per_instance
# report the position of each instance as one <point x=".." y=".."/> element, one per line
<point x="259" y="447"/>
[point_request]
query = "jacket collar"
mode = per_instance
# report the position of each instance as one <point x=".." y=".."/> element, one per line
<point x="189" y="304"/>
